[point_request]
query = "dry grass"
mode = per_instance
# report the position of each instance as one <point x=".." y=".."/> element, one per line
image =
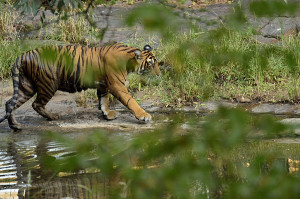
<point x="8" y="18"/>
<point x="73" y="30"/>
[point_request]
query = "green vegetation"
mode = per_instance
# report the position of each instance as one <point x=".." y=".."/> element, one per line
<point x="226" y="63"/>
<point x="230" y="64"/>
<point x="8" y="55"/>
<point x="9" y="44"/>
<point x="221" y="158"/>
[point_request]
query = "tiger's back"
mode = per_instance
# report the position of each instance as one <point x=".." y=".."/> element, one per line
<point x="62" y="67"/>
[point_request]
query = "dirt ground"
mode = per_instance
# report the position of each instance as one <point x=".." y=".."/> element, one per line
<point x="72" y="116"/>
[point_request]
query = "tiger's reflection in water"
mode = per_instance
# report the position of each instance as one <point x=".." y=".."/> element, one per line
<point x="24" y="174"/>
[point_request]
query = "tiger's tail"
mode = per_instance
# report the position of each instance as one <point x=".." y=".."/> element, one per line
<point x="13" y="101"/>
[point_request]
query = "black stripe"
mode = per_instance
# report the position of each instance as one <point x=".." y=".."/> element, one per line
<point x="101" y="49"/>
<point x="31" y="62"/>
<point x="71" y="78"/>
<point x="119" y="79"/>
<point x="68" y="47"/>
<point x="74" y="50"/>
<point x="115" y="45"/>
<point x="78" y="71"/>
<point x="37" y="50"/>
<point x="131" y="51"/>
<point x="35" y="74"/>
<point x="47" y="92"/>
<point x="107" y="79"/>
<point x="17" y="60"/>
<point x="120" y="46"/>
<point x="21" y="59"/>
<point x="123" y="75"/>
<point x="82" y="61"/>
<point x="82" y="52"/>
<point x="99" y="63"/>
<point x="45" y="76"/>
<point x="125" y="49"/>
<point x="44" y="98"/>
<point x="63" y="72"/>
<point x="50" y="68"/>
<point x="26" y="92"/>
<point x="107" y="50"/>
<point x="15" y="85"/>
<point x="128" y="101"/>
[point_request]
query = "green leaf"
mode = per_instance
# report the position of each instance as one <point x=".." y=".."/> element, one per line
<point x="60" y="4"/>
<point x="272" y="8"/>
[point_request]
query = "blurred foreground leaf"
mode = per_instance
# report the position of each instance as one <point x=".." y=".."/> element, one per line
<point x="196" y="163"/>
<point x="271" y="8"/>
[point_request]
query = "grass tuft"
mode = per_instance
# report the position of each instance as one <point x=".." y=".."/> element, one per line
<point x="8" y="18"/>
<point x="8" y="54"/>
<point x="73" y="30"/>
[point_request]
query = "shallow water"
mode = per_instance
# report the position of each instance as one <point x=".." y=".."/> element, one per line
<point x="21" y="170"/>
<point x="22" y="174"/>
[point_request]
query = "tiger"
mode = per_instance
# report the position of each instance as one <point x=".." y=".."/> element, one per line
<point x="73" y="68"/>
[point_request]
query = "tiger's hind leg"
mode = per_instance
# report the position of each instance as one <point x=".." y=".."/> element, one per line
<point x="26" y="91"/>
<point x="40" y="102"/>
<point x="104" y="105"/>
<point x="13" y="124"/>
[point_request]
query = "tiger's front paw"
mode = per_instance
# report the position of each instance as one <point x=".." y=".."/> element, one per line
<point x="15" y="126"/>
<point x="146" y="117"/>
<point x="111" y="115"/>
<point x="53" y="116"/>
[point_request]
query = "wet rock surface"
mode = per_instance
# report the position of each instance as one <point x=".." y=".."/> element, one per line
<point x="294" y="122"/>
<point x="75" y="117"/>
<point x="276" y="108"/>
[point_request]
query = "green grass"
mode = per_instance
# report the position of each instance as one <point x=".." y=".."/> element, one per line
<point x="8" y="54"/>
<point x="227" y="64"/>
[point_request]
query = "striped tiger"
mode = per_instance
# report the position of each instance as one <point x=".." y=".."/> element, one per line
<point x="73" y="68"/>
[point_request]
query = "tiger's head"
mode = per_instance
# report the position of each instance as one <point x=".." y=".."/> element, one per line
<point x="146" y="61"/>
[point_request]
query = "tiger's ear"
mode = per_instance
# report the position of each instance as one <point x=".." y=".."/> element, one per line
<point x="148" y="47"/>
<point x="137" y="54"/>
